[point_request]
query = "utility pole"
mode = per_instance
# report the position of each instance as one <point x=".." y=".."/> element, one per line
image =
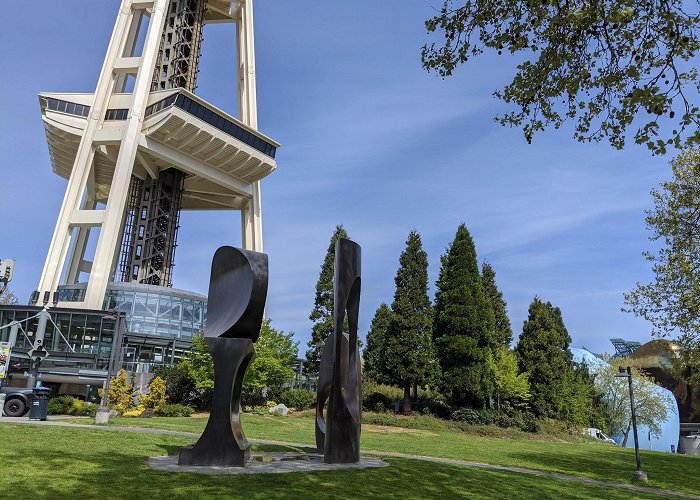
<point x="639" y="474"/>
<point x="38" y="352"/>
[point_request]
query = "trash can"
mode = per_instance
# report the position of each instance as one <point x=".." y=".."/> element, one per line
<point x="40" y="404"/>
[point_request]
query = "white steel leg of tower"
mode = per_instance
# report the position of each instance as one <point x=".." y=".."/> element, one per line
<point x="248" y="106"/>
<point x="132" y="134"/>
<point x="71" y="215"/>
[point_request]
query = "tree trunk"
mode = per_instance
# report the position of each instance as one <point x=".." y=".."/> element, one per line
<point x="407" y="399"/>
<point x="627" y="434"/>
<point x="415" y="391"/>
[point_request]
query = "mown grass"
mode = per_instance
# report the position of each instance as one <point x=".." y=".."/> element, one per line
<point x="57" y="463"/>
<point x="583" y="458"/>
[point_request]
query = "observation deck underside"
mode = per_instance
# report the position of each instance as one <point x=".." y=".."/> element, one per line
<point x="220" y="156"/>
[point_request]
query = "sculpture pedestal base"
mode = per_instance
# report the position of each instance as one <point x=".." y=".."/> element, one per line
<point x="222" y="443"/>
<point x="227" y="455"/>
<point x="639" y="475"/>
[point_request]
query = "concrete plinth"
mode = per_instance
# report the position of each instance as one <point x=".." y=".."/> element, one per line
<point x="639" y="475"/>
<point x="102" y="415"/>
<point x="266" y="463"/>
<point x="690" y="445"/>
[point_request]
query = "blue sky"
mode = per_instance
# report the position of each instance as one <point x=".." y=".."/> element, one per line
<point x="371" y="141"/>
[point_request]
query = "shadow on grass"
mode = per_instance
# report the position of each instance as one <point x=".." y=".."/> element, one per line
<point x="124" y="476"/>
<point x="263" y="448"/>
<point x="74" y="463"/>
<point x="665" y="470"/>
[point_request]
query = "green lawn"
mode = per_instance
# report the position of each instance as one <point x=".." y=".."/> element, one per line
<point x="56" y="463"/>
<point x="586" y="459"/>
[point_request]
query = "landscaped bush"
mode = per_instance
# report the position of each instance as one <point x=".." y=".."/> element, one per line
<point x="376" y="401"/>
<point x="519" y="420"/>
<point x="134" y="412"/>
<point x="174" y="410"/>
<point x="472" y="417"/>
<point x="60" y="405"/>
<point x="415" y="421"/>
<point x="252" y="397"/>
<point x="180" y="387"/>
<point x="431" y="406"/>
<point x="68" y="405"/>
<point x="155" y="398"/>
<point x="83" y="409"/>
<point x="300" y="399"/>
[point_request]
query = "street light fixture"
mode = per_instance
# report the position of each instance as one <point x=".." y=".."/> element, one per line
<point x="639" y="474"/>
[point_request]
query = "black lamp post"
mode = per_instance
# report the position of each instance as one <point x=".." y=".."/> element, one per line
<point x="639" y="474"/>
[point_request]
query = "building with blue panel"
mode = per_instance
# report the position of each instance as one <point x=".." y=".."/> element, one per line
<point x="667" y="440"/>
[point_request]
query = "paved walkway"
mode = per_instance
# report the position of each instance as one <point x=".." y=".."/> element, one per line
<point x="464" y="463"/>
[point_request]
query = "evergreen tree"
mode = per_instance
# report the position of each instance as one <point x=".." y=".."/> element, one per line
<point x="463" y="326"/>
<point x="322" y="313"/>
<point x="543" y="352"/>
<point x="408" y="357"/>
<point x="502" y="332"/>
<point x="374" y="353"/>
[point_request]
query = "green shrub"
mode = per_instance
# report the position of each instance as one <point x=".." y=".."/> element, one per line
<point x="376" y="401"/>
<point x="415" y="421"/>
<point x="60" y="405"/>
<point x="82" y="409"/>
<point x="173" y="410"/>
<point x="261" y="410"/>
<point x="470" y="416"/>
<point x="68" y="405"/>
<point x="515" y="419"/>
<point x="431" y="406"/>
<point x="393" y="393"/>
<point x="533" y="429"/>
<point x="300" y="399"/>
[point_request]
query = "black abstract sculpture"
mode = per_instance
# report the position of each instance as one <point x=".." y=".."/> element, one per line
<point x="237" y="293"/>
<point x="338" y="409"/>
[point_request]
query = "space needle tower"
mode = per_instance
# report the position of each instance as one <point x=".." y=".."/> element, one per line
<point x="143" y="147"/>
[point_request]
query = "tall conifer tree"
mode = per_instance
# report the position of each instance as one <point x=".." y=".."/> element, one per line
<point x="374" y="353"/>
<point x="408" y="357"/>
<point x="543" y="352"/>
<point x="322" y="313"/>
<point x="502" y="332"/>
<point x="463" y="326"/>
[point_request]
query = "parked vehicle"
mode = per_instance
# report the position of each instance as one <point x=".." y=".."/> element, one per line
<point x="598" y="434"/>
<point x="17" y="401"/>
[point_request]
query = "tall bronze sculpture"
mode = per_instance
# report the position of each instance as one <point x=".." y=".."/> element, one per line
<point x="338" y="408"/>
<point x="237" y="294"/>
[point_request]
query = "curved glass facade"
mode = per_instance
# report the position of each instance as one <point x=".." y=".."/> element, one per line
<point x="152" y="310"/>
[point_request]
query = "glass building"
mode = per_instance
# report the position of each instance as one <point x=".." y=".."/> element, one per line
<point x="150" y="309"/>
<point x="83" y="348"/>
<point x="141" y="327"/>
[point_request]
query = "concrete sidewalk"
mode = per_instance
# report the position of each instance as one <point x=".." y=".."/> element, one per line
<point x="57" y="422"/>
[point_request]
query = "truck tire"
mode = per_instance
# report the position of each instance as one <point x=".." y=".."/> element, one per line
<point x="15" y="407"/>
